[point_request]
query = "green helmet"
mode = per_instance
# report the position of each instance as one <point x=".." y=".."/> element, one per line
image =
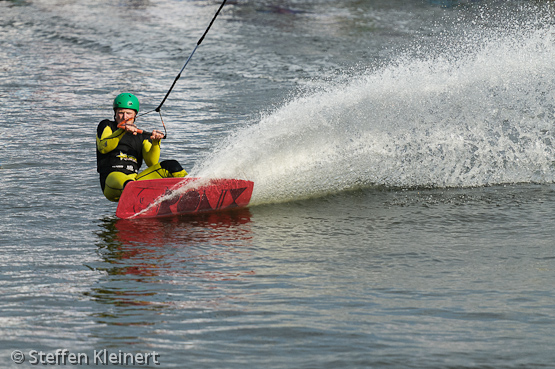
<point x="126" y="101"/>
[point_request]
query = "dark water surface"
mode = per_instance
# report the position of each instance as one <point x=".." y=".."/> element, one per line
<point x="402" y="154"/>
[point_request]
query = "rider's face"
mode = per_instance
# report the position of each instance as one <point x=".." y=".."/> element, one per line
<point x="124" y="114"/>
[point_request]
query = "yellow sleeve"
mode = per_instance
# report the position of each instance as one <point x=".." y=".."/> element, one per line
<point x="109" y="140"/>
<point x="151" y="152"/>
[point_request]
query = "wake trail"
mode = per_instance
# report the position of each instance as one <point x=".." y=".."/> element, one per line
<point x="478" y="112"/>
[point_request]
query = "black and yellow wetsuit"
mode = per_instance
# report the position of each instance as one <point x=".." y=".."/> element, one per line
<point x="119" y="156"/>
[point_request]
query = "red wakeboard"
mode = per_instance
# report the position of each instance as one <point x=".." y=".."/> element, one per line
<point x="173" y="196"/>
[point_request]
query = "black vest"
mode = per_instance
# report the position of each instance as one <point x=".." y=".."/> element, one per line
<point x="127" y="157"/>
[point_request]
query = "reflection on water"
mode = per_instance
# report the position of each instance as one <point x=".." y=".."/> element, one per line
<point x="169" y="263"/>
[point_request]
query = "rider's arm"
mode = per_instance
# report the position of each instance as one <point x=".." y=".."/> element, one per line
<point x="151" y="152"/>
<point x="108" y="140"/>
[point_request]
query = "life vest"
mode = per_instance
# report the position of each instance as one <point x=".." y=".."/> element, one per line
<point x="127" y="157"/>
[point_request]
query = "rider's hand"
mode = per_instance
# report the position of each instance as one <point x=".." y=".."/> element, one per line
<point x="129" y="126"/>
<point x="156" y="135"/>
